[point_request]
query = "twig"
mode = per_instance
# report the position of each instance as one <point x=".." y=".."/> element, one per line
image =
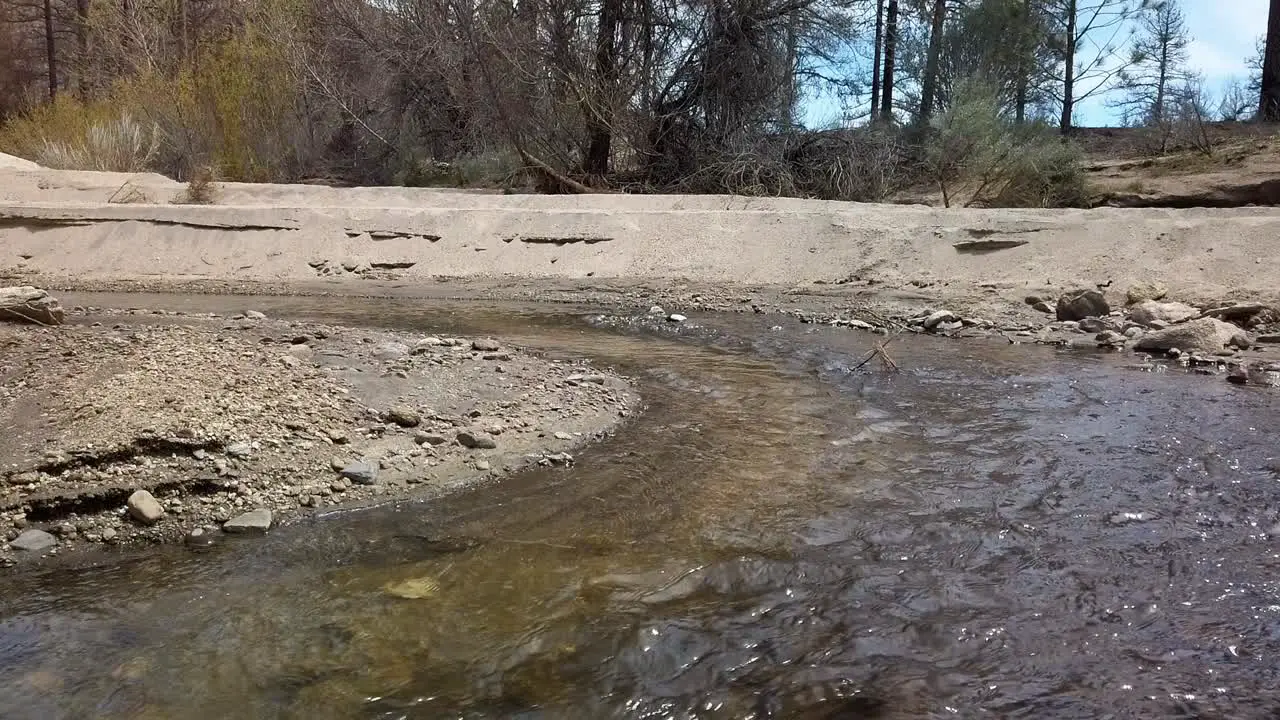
<point x="27" y="306"/>
<point x="878" y="352"/>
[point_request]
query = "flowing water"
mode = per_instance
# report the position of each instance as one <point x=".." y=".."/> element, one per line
<point x="992" y="531"/>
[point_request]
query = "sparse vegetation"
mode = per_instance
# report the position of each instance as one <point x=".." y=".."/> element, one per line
<point x="201" y="188"/>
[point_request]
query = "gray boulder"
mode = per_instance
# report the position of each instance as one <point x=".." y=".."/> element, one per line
<point x="1205" y="335"/>
<point x="1149" y="312"/>
<point x="33" y="541"/>
<point x="254" y="521"/>
<point x="360" y="472"/>
<point x="1082" y="304"/>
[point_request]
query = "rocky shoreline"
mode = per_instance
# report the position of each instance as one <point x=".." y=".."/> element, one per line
<point x="135" y="427"/>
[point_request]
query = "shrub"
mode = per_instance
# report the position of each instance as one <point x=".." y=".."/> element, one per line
<point x="975" y="155"/>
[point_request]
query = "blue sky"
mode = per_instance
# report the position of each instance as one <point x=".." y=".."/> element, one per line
<point x="1223" y="35"/>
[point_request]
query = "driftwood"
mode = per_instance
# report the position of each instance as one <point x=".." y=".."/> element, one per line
<point x="29" y="304"/>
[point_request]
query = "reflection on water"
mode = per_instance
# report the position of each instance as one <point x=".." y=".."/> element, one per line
<point x="991" y="533"/>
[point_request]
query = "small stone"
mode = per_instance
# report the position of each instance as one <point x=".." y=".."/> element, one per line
<point x="65" y="530"/>
<point x="255" y="315"/>
<point x="108" y="534"/>
<point x="1241" y="340"/>
<point x="254" y="521"/>
<point x="485" y="345"/>
<point x="144" y="508"/>
<point x="338" y="464"/>
<point x="676" y="318"/>
<point x="476" y="441"/>
<point x="239" y="450"/>
<point x="361" y="472"/>
<point x="391" y="351"/>
<point x="1043" y="307"/>
<point x="426" y="438"/>
<point x="483" y="465"/>
<point x="201" y="537"/>
<point x="657" y="310"/>
<point x="403" y="416"/>
<point x="33" y="541"/>
<point x="561" y="435"/>
<point x="338" y="437"/>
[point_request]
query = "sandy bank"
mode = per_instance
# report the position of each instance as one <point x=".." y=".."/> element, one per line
<point x="59" y="225"/>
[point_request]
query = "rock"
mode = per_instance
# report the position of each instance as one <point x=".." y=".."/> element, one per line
<point x="1205" y="335"/>
<point x="1095" y="325"/>
<point x="1043" y="307"/>
<point x="426" y="438"/>
<point x="1238" y="376"/>
<point x="1150" y="312"/>
<point x="485" y="345"/>
<point x="403" y="416"/>
<point x="108" y="534"/>
<point x="201" y="537"/>
<point x="1082" y="304"/>
<point x="391" y="351"/>
<point x="561" y="435"/>
<point x="1145" y="291"/>
<point x="1110" y="338"/>
<point x="360" y="472"/>
<point x="1241" y="340"/>
<point x="1033" y="300"/>
<point x="33" y="541"/>
<point x="1272" y="339"/>
<point x="483" y="465"/>
<point x="476" y="440"/>
<point x="657" y="310"/>
<point x="239" y="450"/>
<point x="949" y="326"/>
<point x="676" y="318"/>
<point x="254" y="521"/>
<point x="427" y="344"/>
<point x="144" y="508"/>
<point x="28" y="304"/>
<point x="254" y="315"/>
<point x="936" y="318"/>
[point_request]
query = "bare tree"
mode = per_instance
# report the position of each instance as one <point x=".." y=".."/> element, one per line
<point x="1088" y="40"/>
<point x="890" y="51"/>
<point x="875" y="61"/>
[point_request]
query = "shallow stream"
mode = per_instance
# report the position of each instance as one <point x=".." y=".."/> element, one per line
<point x="990" y="532"/>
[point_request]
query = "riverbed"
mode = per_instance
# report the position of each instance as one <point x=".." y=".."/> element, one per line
<point x="990" y="531"/>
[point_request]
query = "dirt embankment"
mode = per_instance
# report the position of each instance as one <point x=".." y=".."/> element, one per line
<point x="125" y="427"/>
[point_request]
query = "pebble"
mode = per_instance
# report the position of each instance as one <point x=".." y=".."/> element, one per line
<point x="485" y="345"/>
<point x="255" y="315"/>
<point x="33" y="541"/>
<point x="426" y="438"/>
<point x="144" y="508"/>
<point x="239" y="450"/>
<point x="254" y="521"/>
<point x="561" y="435"/>
<point x="676" y="318"/>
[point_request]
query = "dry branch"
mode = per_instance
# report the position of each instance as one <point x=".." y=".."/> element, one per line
<point x="29" y="304"/>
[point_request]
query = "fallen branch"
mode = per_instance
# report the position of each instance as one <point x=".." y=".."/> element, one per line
<point x="880" y="353"/>
<point x="567" y="183"/>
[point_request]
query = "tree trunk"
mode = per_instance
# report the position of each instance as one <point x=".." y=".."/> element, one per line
<point x="82" y="49"/>
<point x="890" y="48"/>
<point x="600" y="113"/>
<point x="875" y="62"/>
<point x="1069" y="71"/>
<point x="1269" y="103"/>
<point x="929" y="85"/>
<point x="50" y="49"/>
<point x="1023" y="67"/>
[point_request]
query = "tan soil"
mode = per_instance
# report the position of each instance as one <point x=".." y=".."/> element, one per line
<point x="219" y="416"/>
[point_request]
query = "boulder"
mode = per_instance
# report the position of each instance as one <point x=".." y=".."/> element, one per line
<point x="361" y="472"/>
<point x="937" y="318"/>
<point x="1082" y="304"/>
<point x="33" y="541"/>
<point x="144" y="508"/>
<point x="1144" y="291"/>
<point x="1205" y="335"/>
<point x="475" y="440"/>
<point x="486" y="345"/>
<point x="1149" y="312"/>
<point x="403" y="416"/>
<point x="30" y="305"/>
